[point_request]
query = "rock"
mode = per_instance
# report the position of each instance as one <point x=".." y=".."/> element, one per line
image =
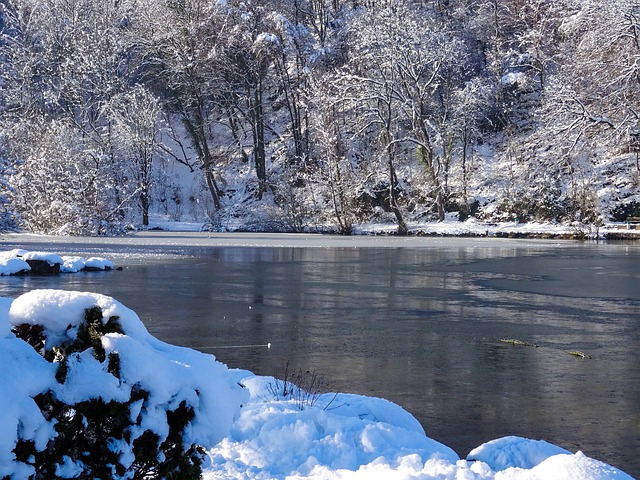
<point x="43" y="267"/>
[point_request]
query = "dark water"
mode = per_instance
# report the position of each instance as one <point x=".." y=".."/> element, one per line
<point x="418" y="326"/>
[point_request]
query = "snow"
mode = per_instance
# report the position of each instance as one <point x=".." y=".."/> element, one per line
<point x="50" y="258"/>
<point x="362" y="438"/>
<point x="513" y="78"/>
<point x="508" y="452"/>
<point x="11" y="263"/>
<point x="15" y="261"/>
<point x="11" y="266"/>
<point x="168" y="223"/>
<point x="249" y="432"/>
<point x="171" y="374"/>
<point x="23" y="375"/>
<point x="99" y="263"/>
<point x="450" y="227"/>
<point x="72" y="264"/>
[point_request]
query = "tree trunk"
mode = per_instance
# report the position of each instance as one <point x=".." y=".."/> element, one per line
<point x="259" y="154"/>
<point x="393" y="182"/>
<point x="144" y="204"/>
<point x="440" y="201"/>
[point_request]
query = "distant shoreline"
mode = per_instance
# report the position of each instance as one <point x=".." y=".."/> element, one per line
<point x="377" y="239"/>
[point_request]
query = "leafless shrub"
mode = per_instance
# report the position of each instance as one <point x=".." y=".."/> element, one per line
<point x="305" y="388"/>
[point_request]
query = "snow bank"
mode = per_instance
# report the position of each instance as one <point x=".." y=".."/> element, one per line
<point x="170" y="374"/>
<point x="331" y="436"/>
<point x="361" y="438"/>
<point x="519" y="452"/>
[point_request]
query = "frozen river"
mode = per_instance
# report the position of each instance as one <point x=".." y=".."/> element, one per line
<point x="415" y="320"/>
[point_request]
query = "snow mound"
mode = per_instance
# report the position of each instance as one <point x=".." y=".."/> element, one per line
<point x="172" y="376"/>
<point x="568" y="466"/>
<point x="280" y="437"/>
<point x="61" y="312"/>
<point x="11" y="266"/>
<point x="512" y="451"/>
<point x="98" y="263"/>
<point x="72" y="264"/>
<point x="50" y="258"/>
<point x="12" y="263"/>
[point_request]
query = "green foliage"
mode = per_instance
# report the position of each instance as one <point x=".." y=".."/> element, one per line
<point x="90" y="332"/>
<point x="96" y="434"/>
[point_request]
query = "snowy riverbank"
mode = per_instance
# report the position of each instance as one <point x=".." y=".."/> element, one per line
<point x="258" y="431"/>
<point x="451" y="227"/>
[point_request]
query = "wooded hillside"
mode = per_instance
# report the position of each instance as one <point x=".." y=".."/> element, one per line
<point x="296" y="114"/>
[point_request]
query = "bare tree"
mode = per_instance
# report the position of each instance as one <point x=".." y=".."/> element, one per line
<point x="400" y="79"/>
<point x="180" y="45"/>
<point x="136" y="135"/>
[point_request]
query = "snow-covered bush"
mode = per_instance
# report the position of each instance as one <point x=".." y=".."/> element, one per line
<point x="107" y="400"/>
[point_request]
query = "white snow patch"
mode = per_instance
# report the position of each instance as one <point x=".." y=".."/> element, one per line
<point x="72" y="264"/>
<point x="512" y="78"/>
<point x="24" y="374"/>
<point x="11" y="262"/>
<point x="11" y="266"/>
<point x="50" y="258"/>
<point x="99" y="263"/>
<point x="517" y="452"/>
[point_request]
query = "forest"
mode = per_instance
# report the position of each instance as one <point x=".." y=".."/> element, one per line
<point x="317" y="115"/>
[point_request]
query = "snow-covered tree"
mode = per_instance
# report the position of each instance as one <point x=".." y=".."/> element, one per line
<point x="63" y="61"/>
<point x="400" y="80"/>
<point x="135" y="133"/>
<point x="181" y="44"/>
